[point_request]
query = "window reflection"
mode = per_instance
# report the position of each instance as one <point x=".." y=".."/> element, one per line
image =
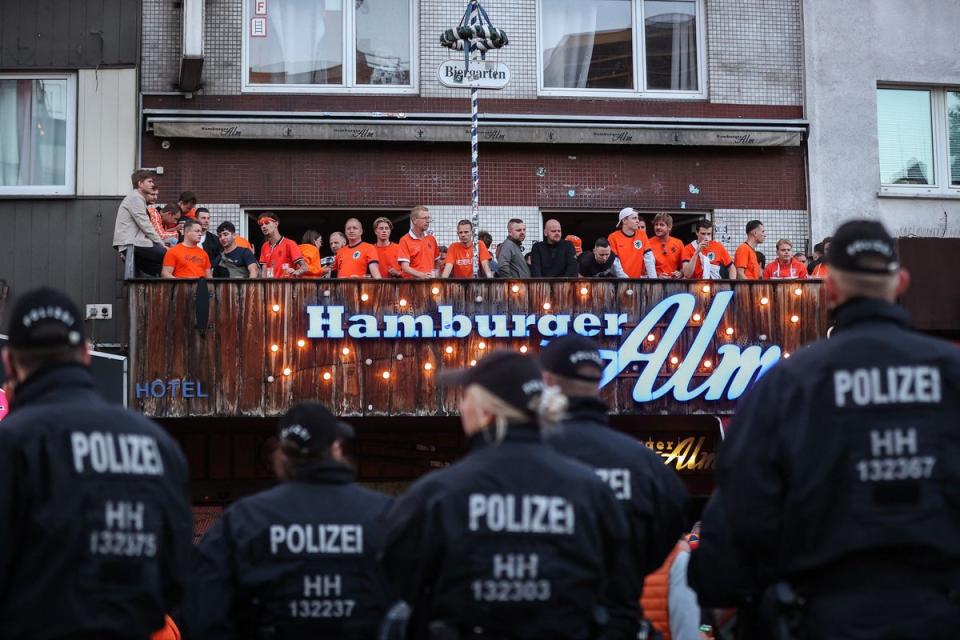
<point x="33" y="132"/>
<point x="670" y="31"/>
<point x="303" y="43"/>
<point x="953" y="134"/>
<point x="587" y="44"/>
<point x="383" y="42"/>
<point x="905" y="136"/>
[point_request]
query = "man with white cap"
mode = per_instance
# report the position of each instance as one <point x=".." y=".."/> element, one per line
<point x="630" y="244"/>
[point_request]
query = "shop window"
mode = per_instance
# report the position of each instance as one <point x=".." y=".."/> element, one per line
<point x="302" y="46"/>
<point x="918" y="133"/>
<point x="593" y="47"/>
<point x="37" y="134"/>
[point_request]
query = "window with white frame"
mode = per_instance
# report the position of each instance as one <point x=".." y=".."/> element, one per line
<point x="38" y="125"/>
<point x="918" y="131"/>
<point x="595" y="47"/>
<point x="329" y="45"/>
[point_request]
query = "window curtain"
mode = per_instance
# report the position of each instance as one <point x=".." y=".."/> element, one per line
<point x="303" y="44"/>
<point x="573" y="28"/>
<point x="30" y="138"/>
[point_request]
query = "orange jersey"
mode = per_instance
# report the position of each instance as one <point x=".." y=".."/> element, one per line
<point x="820" y="271"/>
<point x="630" y="250"/>
<point x="421" y="253"/>
<point x="311" y="257"/>
<point x="389" y="259"/>
<point x="286" y="252"/>
<point x="796" y="270"/>
<point x="667" y="254"/>
<point x="716" y="253"/>
<point x="243" y="242"/>
<point x="190" y="213"/>
<point x="187" y="262"/>
<point x="746" y="258"/>
<point x="461" y="258"/>
<point x="355" y="261"/>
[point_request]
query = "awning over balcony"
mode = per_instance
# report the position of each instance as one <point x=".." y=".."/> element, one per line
<point x="454" y="128"/>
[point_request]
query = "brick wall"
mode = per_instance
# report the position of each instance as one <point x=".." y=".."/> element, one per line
<point x="398" y="175"/>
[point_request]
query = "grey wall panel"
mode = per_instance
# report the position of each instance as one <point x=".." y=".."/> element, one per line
<point x="66" y="244"/>
<point x="68" y="34"/>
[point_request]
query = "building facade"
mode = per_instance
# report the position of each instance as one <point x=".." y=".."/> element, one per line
<point x="326" y="110"/>
<point x="883" y="97"/>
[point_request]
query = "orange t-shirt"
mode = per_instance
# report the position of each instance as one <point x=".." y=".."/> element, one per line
<point x="793" y="271"/>
<point x="461" y="257"/>
<point x="191" y="213"/>
<point x="187" y="262"/>
<point x="243" y="242"/>
<point x="746" y="258"/>
<point x="286" y="252"/>
<point x="311" y="257"/>
<point x="421" y="253"/>
<point x="667" y="254"/>
<point x="716" y="253"/>
<point x="820" y="271"/>
<point x="355" y="261"/>
<point x="389" y="259"/>
<point x="630" y="250"/>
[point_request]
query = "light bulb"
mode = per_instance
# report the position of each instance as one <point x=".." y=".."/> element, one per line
<point x="697" y="317"/>
<point x="674" y="360"/>
<point x="707" y="364"/>
<point x="427" y="366"/>
<point x="287" y="371"/>
<point x="584" y="291"/>
<point x="326" y="375"/>
<point x="705" y="288"/>
<point x="386" y="375"/>
<point x="546" y="306"/>
<point x="481" y="345"/>
<point x="435" y="290"/>
<point x="449" y="350"/>
<point x="276" y="308"/>
<point x="345" y="351"/>
<point x="794" y="318"/>
<point x="515" y="288"/>
<point x="402" y="302"/>
<point x="729" y="331"/>
<point x="301" y="343"/>
<point x="651" y="337"/>
<point x="364" y="297"/>
<point x="274" y="348"/>
<point x="523" y="349"/>
<point x="798" y="291"/>
<point x="764" y="300"/>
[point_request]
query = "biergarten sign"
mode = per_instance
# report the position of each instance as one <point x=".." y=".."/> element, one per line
<point x="482" y="74"/>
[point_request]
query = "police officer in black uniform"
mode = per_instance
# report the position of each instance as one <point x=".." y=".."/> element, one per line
<point x="654" y="499"/>
<point x="298" y="560"/>
<point x="95" y="525"/>
<point x="840" y="477"/>
<point x="515" y="541"/>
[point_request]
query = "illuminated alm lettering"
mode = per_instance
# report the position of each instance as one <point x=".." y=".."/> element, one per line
<point x="736" y="368"/>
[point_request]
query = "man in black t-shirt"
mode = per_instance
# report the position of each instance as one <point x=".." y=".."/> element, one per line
<point x="234" y="262"/>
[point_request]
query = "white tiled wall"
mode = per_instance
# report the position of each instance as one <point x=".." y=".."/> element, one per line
<point x="794" y="225"/>
<point x="492" y="219"/>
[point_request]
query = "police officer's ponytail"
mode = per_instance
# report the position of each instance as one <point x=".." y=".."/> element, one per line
<point x="546" y="408"/>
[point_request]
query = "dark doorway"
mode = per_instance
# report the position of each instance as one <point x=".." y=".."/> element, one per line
<point x="294" y="222"/>
<point x="590" y="225"/>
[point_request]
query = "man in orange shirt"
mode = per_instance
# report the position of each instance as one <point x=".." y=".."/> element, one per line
<point x="388" y="252"/>
<point x="785" y="267"/>
<point x="280" y="257"/>
<point x="187" y="259"/>
<point x="820" y="269"/>
<point x="419" y="251"/>
<point x="745" y="259"/>
<point x="167" y="223"/>
<point x="459" y="260"/>
<point x="629" y="244"/>
<point x="310" y="245"/>
<point x="667" y="250"/>
<point x="706" y="252"/>
<point x="357" y="258"/>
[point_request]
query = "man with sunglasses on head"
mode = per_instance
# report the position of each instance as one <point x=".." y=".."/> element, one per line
<point x="280" y="257"/>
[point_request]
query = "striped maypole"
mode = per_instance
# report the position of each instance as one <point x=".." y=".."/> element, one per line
<point x="475" y="33"/>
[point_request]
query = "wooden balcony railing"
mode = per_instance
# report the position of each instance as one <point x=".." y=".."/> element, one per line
<point x="373" y="347"/>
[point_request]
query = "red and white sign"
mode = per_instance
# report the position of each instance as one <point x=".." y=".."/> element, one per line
<point x="258" y="27"/>
<point x="260" y="7"/>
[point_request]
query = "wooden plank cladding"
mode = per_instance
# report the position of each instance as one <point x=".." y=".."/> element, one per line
<point x="373" y="347"/>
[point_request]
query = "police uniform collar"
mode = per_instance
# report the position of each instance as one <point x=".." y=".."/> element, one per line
<point x="527" y="432"/>
<point x="586" y="408"/>
<point x="326" y="472"/>
<point x="53" y="379"/>
<point x="857" y="310"/>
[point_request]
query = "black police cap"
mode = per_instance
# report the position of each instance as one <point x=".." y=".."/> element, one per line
<point x="573" y="356"/>
<point x="312" y="427"/>
<point x="863" y="246"/>
<point x="514" y="378"/>
<point x="44" y="318"/>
